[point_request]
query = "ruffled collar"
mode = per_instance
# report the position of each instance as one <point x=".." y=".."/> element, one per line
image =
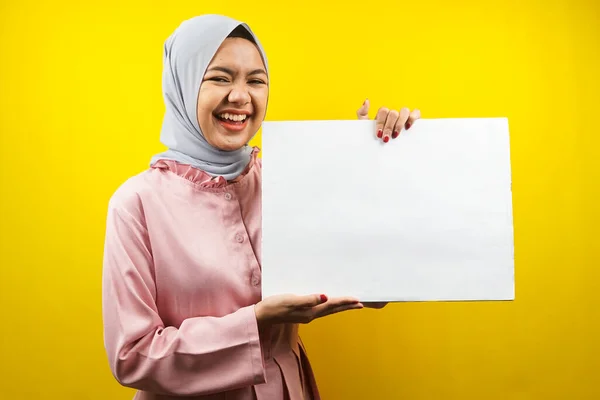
<point x="200" y="177"/>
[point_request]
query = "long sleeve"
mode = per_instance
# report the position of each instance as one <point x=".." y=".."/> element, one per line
<point x="202" y="356"/>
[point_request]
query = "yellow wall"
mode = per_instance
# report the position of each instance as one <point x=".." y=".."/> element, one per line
<point x="80" y="110"/>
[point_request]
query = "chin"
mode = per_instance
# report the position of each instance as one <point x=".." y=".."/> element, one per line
<point x="231" y="146"/>
<point x="228" y="142"/>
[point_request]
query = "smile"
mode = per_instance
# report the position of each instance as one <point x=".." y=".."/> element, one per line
<point x="232" y="121"/>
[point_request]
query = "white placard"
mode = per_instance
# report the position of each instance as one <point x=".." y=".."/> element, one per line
<point x="425" y="217"/>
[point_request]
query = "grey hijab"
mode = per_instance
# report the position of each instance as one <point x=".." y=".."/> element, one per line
<point x="187" y="53"/>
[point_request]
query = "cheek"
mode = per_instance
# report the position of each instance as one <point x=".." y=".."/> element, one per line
<point x="260" y="100"/>
<point x="203" y="104"/>
<point x="207" y="101"/>
<point x="203" y="119"/>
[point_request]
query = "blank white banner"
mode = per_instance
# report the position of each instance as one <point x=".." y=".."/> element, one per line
<point x="424" y="217"/>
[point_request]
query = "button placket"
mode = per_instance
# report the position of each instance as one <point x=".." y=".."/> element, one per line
<point x="241" y="237"/>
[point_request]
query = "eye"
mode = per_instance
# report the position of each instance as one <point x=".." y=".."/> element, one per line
<point x="218" y="79"/>
<point x="257" y="82"/>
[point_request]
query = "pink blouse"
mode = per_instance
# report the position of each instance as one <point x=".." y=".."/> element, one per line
<point x="181" y="275"/>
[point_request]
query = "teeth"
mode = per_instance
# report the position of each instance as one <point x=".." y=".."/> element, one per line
<point x="233" y="117"/>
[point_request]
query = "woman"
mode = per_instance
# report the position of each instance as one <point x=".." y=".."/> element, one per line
<point x="182" y="305"/>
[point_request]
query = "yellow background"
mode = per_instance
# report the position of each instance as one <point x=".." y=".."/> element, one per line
<point x="80" y="111"/>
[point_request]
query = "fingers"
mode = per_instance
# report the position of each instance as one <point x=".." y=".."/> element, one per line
<point x="380" y="119"/>
<point x="306" y="309"/>
<point x="336" y="303"/>
<point x="317" y="300"/>
<point x="390" y="123"/>
<point x="309" y="301"/>
<point x="400" y="122"/>
<point x="413" y="117"/>
<point x="363" y="111"/>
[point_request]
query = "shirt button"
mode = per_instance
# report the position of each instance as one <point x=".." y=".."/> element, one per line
<point x="239" y="238"/>
<point x="227" y="196"/>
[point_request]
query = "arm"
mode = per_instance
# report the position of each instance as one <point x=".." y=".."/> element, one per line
<point x="204" y="355"/>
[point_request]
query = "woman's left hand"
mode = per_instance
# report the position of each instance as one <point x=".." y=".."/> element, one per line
<point x="390" y="123"/>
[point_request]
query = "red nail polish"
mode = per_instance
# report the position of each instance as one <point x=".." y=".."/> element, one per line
<point x="395" y="134"/>
<point x="386" y="139"/>
<point x="323" y="298"/>
<point x="380" y="134"/>
<point x="407" y="125"/>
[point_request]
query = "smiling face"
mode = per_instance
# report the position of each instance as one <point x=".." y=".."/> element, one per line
<point x="232" y="100"/>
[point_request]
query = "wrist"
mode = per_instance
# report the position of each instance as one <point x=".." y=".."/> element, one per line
<point x="260" y="317"/>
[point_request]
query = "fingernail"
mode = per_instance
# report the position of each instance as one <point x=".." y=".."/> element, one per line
<point x="395" y="134"/>
<point x="323" y="298"/>
<point x="380" y="134"/>
<point x="407" y="125"/>
<point x="386" y="139"/>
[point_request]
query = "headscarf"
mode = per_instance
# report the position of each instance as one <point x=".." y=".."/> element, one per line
<point x="187" y="53"/>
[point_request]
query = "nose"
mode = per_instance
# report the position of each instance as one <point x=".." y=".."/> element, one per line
<point x="239" y="94"/>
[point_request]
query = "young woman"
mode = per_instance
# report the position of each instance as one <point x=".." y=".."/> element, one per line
<point x="182" y="307"/>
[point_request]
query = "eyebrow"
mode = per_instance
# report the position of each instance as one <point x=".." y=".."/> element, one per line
<point x="230" y="72"/>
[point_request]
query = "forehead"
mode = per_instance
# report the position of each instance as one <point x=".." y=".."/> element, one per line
<point x="238" y="52"/>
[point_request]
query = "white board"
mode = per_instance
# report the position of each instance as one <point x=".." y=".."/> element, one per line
<point x="424" y="217"/>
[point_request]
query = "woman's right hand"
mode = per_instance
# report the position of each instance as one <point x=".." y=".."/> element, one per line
<point x="287" y="308"/>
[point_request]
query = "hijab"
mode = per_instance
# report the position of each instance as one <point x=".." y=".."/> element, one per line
<point x="187" y="53"/>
